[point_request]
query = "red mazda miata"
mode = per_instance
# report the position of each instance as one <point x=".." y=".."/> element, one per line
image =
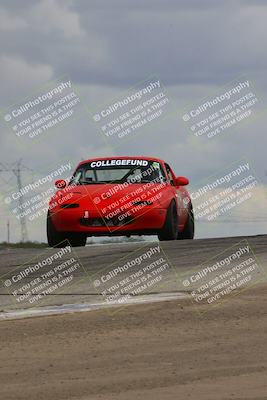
<point x="120" y="196"/>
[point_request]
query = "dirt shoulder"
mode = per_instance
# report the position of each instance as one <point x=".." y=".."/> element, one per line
<point x="160" y="351"/>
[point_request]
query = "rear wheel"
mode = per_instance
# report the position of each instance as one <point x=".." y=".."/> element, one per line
<point x="189" y="229"/>
<point x="170" y="228"/>
<point x="62" y="239"/>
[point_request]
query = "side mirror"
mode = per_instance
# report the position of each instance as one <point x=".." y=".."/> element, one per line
<point x="181" y="181"/>
<point x="60" y="184"/>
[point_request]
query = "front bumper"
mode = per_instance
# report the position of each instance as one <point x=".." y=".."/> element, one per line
<point x="148" y="219"/>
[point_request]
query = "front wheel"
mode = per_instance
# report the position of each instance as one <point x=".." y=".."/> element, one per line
<point x="76" y="239"/>
<point x="170" y="228"/>
<point x="54" y="238"/>
<point x="63" y="239"/>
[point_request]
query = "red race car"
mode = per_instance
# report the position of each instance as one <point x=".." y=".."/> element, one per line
<point x="120" y="196"/>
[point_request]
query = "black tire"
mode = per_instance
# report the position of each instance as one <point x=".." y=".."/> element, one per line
<point x="170" y="228"/>
<point x="54" y="238"/>
<point x="76" y="239"/>
<point x="62" y="239"/>
<point x="189" y="229"/>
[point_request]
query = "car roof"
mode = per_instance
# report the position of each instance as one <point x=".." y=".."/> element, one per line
<point x="121" y="158"/>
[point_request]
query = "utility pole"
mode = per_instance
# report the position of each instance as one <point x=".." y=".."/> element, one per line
<point x="8" y="231"/>
<point x="17" y="168"/>
<point x="23" y="226"/>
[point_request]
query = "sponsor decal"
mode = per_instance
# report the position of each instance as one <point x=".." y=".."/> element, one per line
<point x="114" y="162"/>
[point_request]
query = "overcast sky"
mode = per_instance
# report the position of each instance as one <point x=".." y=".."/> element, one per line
<point x="108" y="46"/>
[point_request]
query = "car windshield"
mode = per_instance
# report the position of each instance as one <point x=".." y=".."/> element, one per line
<point x="118" y="171"/>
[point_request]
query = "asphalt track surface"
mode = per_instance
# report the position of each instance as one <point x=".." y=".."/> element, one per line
<point x="163" y="350"/>
<point x="96" y="261"/>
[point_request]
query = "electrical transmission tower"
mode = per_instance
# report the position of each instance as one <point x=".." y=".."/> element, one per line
<point x="17" y="168"/>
